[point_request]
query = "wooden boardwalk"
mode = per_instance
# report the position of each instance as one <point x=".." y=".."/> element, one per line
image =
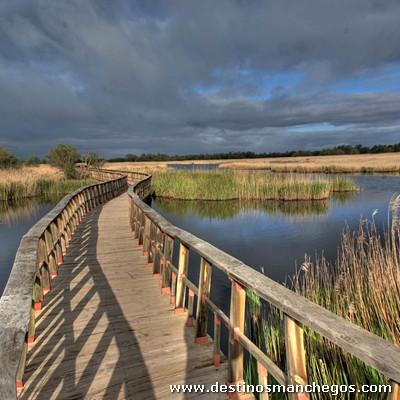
<point x="105" y="331"/>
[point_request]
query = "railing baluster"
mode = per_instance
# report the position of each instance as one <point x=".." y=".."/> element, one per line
<point x="189" y="321"/>
<point x="395" y="391"/>
<point x="202" y="309"/>
<point x="217" y="341"/>
<point x="262" y="379"/>
<point x="166" y="286"/>
<point x="295" y="356"/>
<point x="21" y="366"/>
<point x="237" y="319"/>
<point x="180" y="284"/>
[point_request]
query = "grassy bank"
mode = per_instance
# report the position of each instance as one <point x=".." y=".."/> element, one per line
<point x="27" y="182"/>
<point x="362" y="286"/>
<point x="242" y="185"/>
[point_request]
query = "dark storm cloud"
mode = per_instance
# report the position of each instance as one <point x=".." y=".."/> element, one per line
<point x="186" y="76"/>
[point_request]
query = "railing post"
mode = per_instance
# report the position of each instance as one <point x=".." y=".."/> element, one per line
<point x="146" y="237"/>
<point x="237" y="319"/>
<point x="180" y="284"/>
<point x="395" y="391"/>
<point x="262" y="379"/>
<point x="295" y="356"/>
<point x="189" y="321"/>
<point x="166" y="281"/>
<point x="217" y="341"/>
<point x="202" y="309"/>
<point x="21" y="366"/>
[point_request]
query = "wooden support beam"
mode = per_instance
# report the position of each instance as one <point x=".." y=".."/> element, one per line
<point x="189" y="321"/>
<point x="180" y="284"/>
<point x="237" y="319"/>
<point x="262" y="379"/>
<point x="202" y="309"/>
<point x="217" y="341"/>
<point x="395" y="391"/>
<point x="295" y="356"/>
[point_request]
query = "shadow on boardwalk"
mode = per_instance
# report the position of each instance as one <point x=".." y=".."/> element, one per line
<point x="70" y="319"/>
<point x="105" y="331"/>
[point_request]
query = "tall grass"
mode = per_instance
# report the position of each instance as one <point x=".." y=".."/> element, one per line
<point x="362" y="286"/>
<point x="242" y="185"/>
<point x="27" y="182"/>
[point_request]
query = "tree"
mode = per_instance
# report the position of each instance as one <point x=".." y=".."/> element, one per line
<point x="92" y="159"/>
<point x="32" y="160"/>
<point x="64" y="156"/>
<point x="7" y="160"/>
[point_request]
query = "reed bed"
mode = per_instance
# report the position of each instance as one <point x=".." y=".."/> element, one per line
<point x="245" y="185"/>
<point x="357" y="163"/>
<point x="27" y="182"/>
<point x="362" y="286"/>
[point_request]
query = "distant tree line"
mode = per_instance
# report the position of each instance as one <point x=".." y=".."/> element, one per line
<point x="64" y="156"/>
<point x="331" y="151"/>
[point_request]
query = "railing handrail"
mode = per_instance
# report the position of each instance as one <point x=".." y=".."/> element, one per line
<point x="366" y="346"/>
<point x="16" y="303"/>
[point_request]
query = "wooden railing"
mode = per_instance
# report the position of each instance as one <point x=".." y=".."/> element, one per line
<point x="158" y="238"/>
<point x="40" y="253"/>
<point x="103" y="174"/>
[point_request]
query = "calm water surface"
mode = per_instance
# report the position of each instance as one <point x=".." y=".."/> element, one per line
<point x="274" y="237"/>
<point x="15" y="221"/>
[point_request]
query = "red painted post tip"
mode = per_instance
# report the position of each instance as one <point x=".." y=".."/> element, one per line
<point x="46" y="290"/>
<point x="19" y="384"/>
<point x="165" y="291"/>
<point x="53" y="275"/>
<point x="217" y="360"/>
<point x="179" y="310"/>
<point x="172" y="300"/>
<point x="31" y="339"/>
<point x="37" y="306"/>
<point x="189" y="322"/>
<point x="234" y="394"/>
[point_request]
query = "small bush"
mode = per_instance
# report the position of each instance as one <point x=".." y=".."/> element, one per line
<point x="7" y="160"/>
<point x="64" y="156"/>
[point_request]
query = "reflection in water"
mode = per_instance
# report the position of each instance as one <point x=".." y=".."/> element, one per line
<point x="229" y="208"/>
<point x="13" y="212"/>
<point x="15" y="220"/>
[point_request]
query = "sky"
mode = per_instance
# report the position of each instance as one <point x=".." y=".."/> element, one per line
<point x="186" y="76"/>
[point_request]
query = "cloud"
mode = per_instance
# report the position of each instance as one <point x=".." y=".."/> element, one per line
<point x="185" y="76"/>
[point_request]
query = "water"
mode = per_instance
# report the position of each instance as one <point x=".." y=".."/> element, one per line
<point x="195" y="166"/>
<point x="274" y="237"/>
<point x="15" y="220"/>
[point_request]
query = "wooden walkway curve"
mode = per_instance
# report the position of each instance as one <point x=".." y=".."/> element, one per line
<point x="105" y="331"/>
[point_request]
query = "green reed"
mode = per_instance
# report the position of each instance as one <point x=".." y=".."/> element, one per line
<point x="245" y="185"/>
<point x="13" y="190"/>
<point x="362" y="286"/>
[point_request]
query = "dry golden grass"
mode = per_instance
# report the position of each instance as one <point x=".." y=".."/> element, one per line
<point x="388" y="162"/>
<point x="28" y="175"/>
<point x="42" y="180"/>
<point x="145" y="166"/>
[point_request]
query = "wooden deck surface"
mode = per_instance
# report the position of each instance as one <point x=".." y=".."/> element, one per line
<point x="105" y="332"/>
